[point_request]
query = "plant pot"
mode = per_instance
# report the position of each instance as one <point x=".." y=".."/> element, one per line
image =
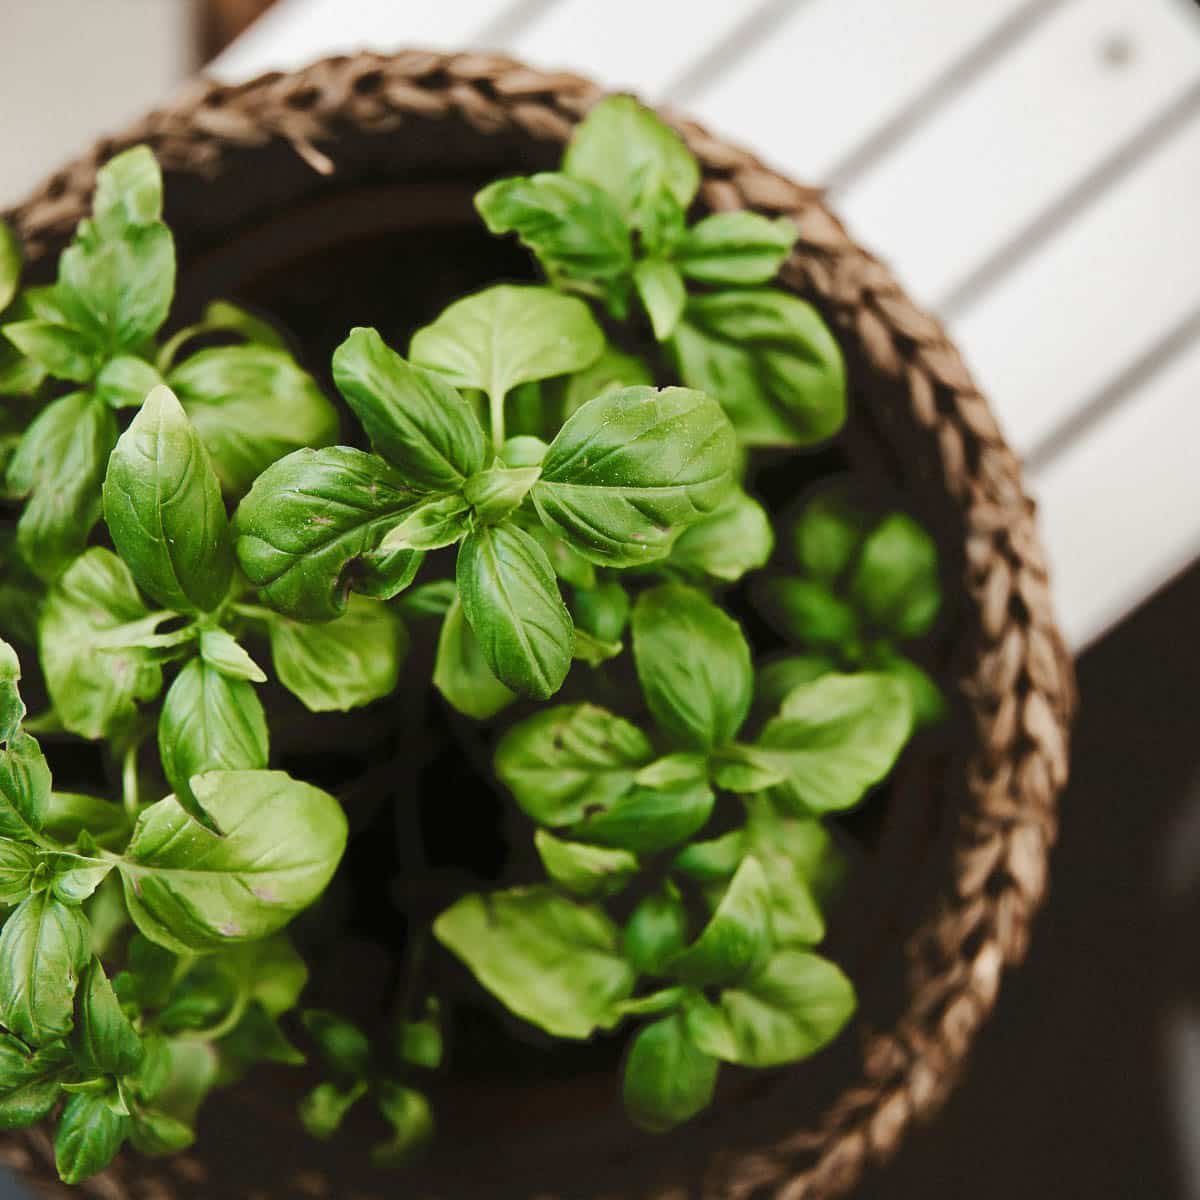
<point x="341" y="194"/>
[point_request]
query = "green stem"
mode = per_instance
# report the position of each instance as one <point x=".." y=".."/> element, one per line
<point x="129" y="780"/>
<point x="255" y="612"/>
<point x="496" y="405"/>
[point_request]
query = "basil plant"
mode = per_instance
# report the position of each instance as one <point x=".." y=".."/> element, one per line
<point x="538" y="514"/>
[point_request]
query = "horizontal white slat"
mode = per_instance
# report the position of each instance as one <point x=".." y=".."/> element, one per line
<point x="1120" y="509"/>
<point x="631" y="44"/>
<point x="836" y="71"/>
<point x="980" y="169"/>
<point x="295" y="32"/>
<point x="1051" y="334"/>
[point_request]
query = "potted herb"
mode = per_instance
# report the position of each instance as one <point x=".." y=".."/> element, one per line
<point x="542" y="553"/>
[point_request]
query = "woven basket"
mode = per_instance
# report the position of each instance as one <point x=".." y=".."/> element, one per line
<point x="295" y="163"/>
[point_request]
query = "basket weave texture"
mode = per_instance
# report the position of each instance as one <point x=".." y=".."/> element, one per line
<point x="1013" y="674"/>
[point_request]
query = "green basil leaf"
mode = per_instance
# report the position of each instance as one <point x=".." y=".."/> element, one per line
<point x="21" y="592"/>
<point x="69" y="814"/>
<point x="734" y="539"/>
<point x="660" y="288"/>
<point x="602" y="610"/>
<point x="30" y="1082"/>
<point x="833" y="739"/>
<point x="189" y="889"/>
<point x="414" y="418"/>
<point x="592" y="650"/>
<point x="569" y="566"/>
<point x="738" y="939"/>
<point x="524" y="450"/>
<point x="714" y="861"/>
<point x="342" y="1044"/>
<point x="828" y="534"/>
<point x="895" y="581"/>
<point x="736" y="248"/>
<point x="103" y="1040"/>
<point x="651" y="1005"/>
<point x="590" y="872"/>
<point x="632" y="468"/>
<point x="308" y="520"/>
<point x="511" y="600"/>
<point x="572" y="226"/>
<point x="24" y="788"/>
<point x="809" y="612"/>
<point x="433" y="599"/>
<point x="251" y="405"/>
<point x="693" y="663"/>
<point x="549" y="960"/>
<point x="461" y="673"/>
<point x="563" y="762"/>
<point x="657" y="930"/>
<point x="627" y="150"/>
<point x="163" y="506"/>
<point x="126" y="381"/>
<point x="221" y="651"/>
<point x="75" y="877"/>
<point x="506" y="335"/>
<point x="648" y="819"/>
<point x="60" y="350"/>
<point x="12" y="707"/>
<point x="88" y="1137"/>
<point x="323" y="1109"/>
<point x="343" y="664"/>
<point x="498" y="491"/>
<point x="435" y="522"/>
<point x="60" y="465"/>
<point x="17" y="865"/>
<point x="10" y="265"/>
<point x="796" y="1005"/>
<point x="614" y="369"/>
<point x="770" y="360"/>
<point x="129" y="191"/>
<point x="256" y="1038"/>
<point x="184" y="1074"/>
<point x="209" y="722"/>
<point x="94" y="693"/>
<point x="43" y="946"/>
<point x="383" y="574"/>
<point x="420" y="1042"/>
<point x="411" y="1119"/>
<point x="928" y="703"/>
<point x="153" y="1132"/>
<point x="777" y="680"/>
<point x="667" y="1079"/>
<point x="224" y="315"/>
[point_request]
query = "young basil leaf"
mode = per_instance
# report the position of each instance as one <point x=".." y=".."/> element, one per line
<point x="30" y="1081"/>
<point x="631" y="468"/>
<point x="549" y="960"/>
<point x="43" y="946"/>
<point x="736" y="248"/>
<point x="311" y="516"/>
<point x="572" y="226"/>
<point x="661" y="1001"/>
<point x="10" y="264"/>
<point x="828" y="534"/>
<point x="75" y="877"/>
<point x="221" y="316"/>
<point x="59" y="350"/>
<point x="221" y="651"/>
<point x="414" y="418"/>
<point x="668" y="1080"/>
<point x="323" y="1109"/>
<point x="592" y="650"/>
<point x="777" y="680"/>
<point x="163" y="507"/>
<point x="420" y="1042"/>
<point x="832" y="740"/>
<point x="153" y="1132"/>
<point x="563" y="762"/>
<point x="126" y="381"/>
<point x="809" y="612"/>
<point x="523" y="450"/>
<point x="188" y="889"/>
<point x="21" y="592"/>
<point x="17" y="865"/>
<point x="251" y="405"/>
<point x="343" y="664"/>
<point x="928" y="703"/>
<point x="734" y="539"/>
<point x="602" y="610"/>
<point x="94" y="693"/>
<point x="209" y="722"/>
<point x="342" y="1044"/>
<point x="24" y="788"/>
<point x="569" y="566"/>
<point x="614" y="369"/>
<point x="256" y="1038"/>
<point x="506" y="335"/>
<point x="435" y="522"/>
<point x="770" y="359"/>
<point x="633" y="155"/>
<point x="129" y="191"/>
<point x="895" y="581"/>
<point x="651" y="817"/>
<point x="12" y="707"/>
<point x="67" y="815"/>
<point x="411" y="1119"/>
<point x="797" y="1004"/>
<point x="190" y="1075"/>
<point x="660" y="288"/>
<point x="590" y="872"/>
<point x="799" y="860"/>
<point x="511" y="600"/>
<point x="714" y="861"/>
<point x="498" y="491"/>
<point x="656" y="931"/>
<point x="693" y="663"/>
<point x="103" y="1040"/>
<point x="737" y="941"/>
<point x="60" y="466"/>
<point x="461" y="673"/>
<point x="88" y="1137"/>
<point x="434" y="599"/>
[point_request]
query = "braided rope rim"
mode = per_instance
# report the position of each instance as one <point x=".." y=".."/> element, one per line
<point x="1018" y="683"/>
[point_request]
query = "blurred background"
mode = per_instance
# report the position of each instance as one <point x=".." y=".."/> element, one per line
<point x="1031" y="169"/>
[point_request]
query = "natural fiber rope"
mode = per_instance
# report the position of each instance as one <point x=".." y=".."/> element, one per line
<point x="1019" y="682"/>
